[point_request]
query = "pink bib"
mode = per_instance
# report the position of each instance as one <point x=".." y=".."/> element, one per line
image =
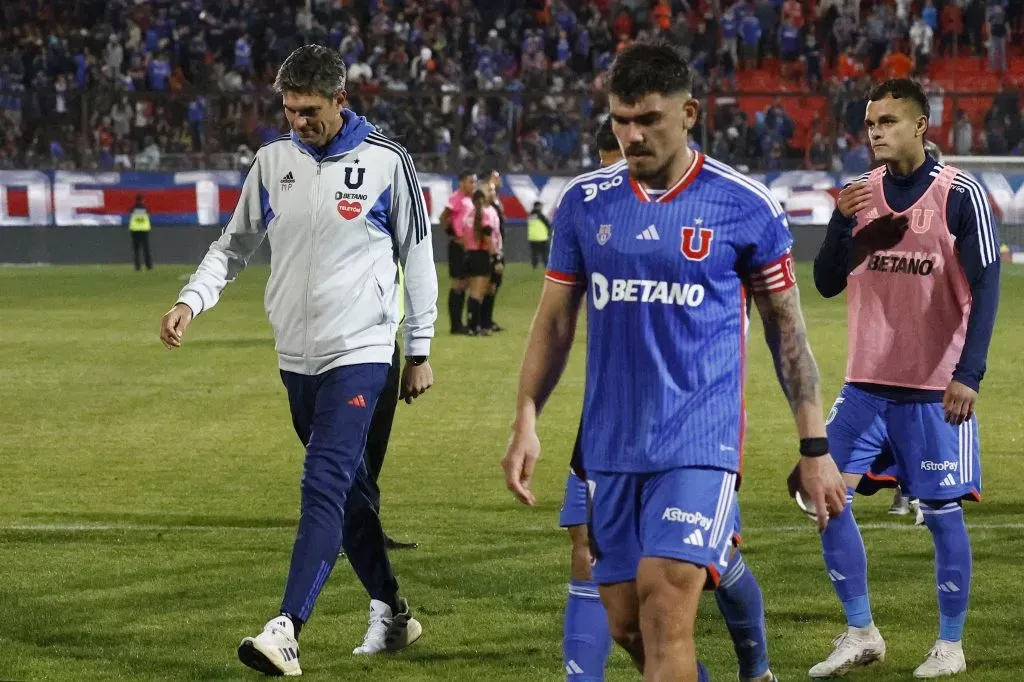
<point x="907" y="307"/>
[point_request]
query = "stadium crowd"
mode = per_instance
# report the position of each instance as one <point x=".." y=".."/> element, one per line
<point x="518" y="85"/>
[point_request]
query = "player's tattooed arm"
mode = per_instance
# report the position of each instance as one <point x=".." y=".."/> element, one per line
<point x="797" y="371"/>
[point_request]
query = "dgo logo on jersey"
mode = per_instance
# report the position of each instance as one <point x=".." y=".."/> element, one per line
<point x="590" y="189"/>
<point x="643" y="291"/>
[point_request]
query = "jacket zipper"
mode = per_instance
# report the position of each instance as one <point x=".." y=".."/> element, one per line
<point x="306" y="350"/>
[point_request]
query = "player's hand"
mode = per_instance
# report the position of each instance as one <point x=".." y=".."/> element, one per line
<point x="958" y="403"/>
<point x="416" y="379"/>
<point x="173" y="325"/>
<point x="519" y="462"/>
<point x="854" y="198"/>
<point x="882" y="233"/>
<point x="818" y="480"/>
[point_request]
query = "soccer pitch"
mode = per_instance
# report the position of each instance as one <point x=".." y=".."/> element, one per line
<point x="148" y="501"/>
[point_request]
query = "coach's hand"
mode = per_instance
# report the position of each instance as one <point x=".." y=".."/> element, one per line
<point x="854" y="198"/>
<point x="818" y="480"/>
<point x="173" y="325"/>
<point x="416" y="379"/>
<point x="519" y="462"/>
<point x="958" y="402"/>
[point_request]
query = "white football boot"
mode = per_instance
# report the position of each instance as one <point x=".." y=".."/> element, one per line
<point x="389" y="632"/>
<point x="945" y="658"/>
<point x="854" y="648"/>
<point x="275" y="651"/>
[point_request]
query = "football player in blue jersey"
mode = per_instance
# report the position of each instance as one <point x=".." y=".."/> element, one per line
<point x="586" y="642"/>
<point x="668" y="242"/>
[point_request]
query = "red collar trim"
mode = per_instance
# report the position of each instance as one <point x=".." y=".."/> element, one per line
<point x="677" y="189"/>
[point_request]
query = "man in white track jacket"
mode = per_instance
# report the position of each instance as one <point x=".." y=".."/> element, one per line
<point x="342" y="206"/>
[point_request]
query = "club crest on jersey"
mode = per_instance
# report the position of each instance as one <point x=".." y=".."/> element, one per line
<point x="604" y="233"/>
<point x="695" y="242"/>
<point x="921" y="220"/>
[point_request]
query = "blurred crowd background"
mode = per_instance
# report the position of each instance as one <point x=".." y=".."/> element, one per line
<point x="185" y="84"/>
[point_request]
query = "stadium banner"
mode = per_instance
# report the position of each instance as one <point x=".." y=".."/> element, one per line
<point x="73" y="198"/>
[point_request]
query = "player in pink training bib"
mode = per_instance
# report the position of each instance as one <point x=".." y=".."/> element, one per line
<point x="914" y="245"/>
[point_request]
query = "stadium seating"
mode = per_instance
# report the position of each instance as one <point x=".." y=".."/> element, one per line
<point x="174" y="85"/>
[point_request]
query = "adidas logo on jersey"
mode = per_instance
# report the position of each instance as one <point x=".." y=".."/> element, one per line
<point x="696" y="538"/>
<point x="649" y="234"/>
<point x="948" y="481"/>
<point x="287" y="182"/>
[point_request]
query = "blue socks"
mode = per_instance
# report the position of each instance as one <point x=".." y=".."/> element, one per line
<point x="739" y="599"/>
<point x="847" y="564"/>
<point x="586" y="642"/>
<point x="952" y="566"/>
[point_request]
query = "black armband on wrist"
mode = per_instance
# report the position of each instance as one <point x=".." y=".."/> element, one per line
<point x="813" y="447"/>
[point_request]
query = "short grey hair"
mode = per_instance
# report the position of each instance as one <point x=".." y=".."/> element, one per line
<point x="312" y="69"/>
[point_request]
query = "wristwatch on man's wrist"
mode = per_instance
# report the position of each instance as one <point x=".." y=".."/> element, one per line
<point x="415" y="359"/>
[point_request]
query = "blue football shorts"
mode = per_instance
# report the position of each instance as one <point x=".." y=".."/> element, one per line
<point x="689" y="514"/>
<point x="882" y="439"/>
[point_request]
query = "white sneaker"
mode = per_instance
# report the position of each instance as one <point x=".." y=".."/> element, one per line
<point x="900" y="504"/>
<point x="854" y="648"/>
<point x="275" y="651"/>
<point x="945" y="658"/>
<point x="387" y="632"/>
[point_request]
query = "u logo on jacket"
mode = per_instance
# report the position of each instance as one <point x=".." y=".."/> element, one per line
<point x="359" y="177"/>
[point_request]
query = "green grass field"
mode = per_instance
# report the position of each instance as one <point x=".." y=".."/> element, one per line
<point x="148" y="501"/>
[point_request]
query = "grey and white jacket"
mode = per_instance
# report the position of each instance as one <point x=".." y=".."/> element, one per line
<point x="339" y="221"/>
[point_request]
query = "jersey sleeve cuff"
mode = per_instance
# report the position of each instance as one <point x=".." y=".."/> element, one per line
<point x="775" y="276"/>
<point x="568" y="279"/>
<point x="193" y="300"/>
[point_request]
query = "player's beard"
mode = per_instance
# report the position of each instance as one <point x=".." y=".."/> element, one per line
<point x="643" y="163"/>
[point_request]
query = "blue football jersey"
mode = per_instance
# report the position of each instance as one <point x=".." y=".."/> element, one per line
<point x="667" y="277"/>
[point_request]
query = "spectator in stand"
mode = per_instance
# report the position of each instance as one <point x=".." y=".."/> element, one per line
<point x="793" y="12"/>
<point x="789" y="48"/>
<point x="921" y="37"/>
<point x="930" y="14"/>
<point x="768" y="17"/>
<point x="997" y="30"/>
<point x="750" y="33"/>
<point x="961" y="135"/>
<point x="952" y="22"/>
<point x="974" y="24"/>
<point x="730" y="25"/>
<point x="857" y="159"/>
<point x="812" y="59"/>
<point x="818" y="156"/>
<point x="897" y="64"/>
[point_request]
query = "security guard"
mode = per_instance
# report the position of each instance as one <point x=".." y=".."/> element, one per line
<point x="538" y="233"/>
<point x="139" y="225"/>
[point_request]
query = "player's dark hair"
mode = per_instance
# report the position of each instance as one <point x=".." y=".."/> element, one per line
<point x="902" y="88"/>
<point x="648" y="67"/>
<point x="466" y="174"/>
<point x="314" y="70"/>
<point x="606" y="141"/>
